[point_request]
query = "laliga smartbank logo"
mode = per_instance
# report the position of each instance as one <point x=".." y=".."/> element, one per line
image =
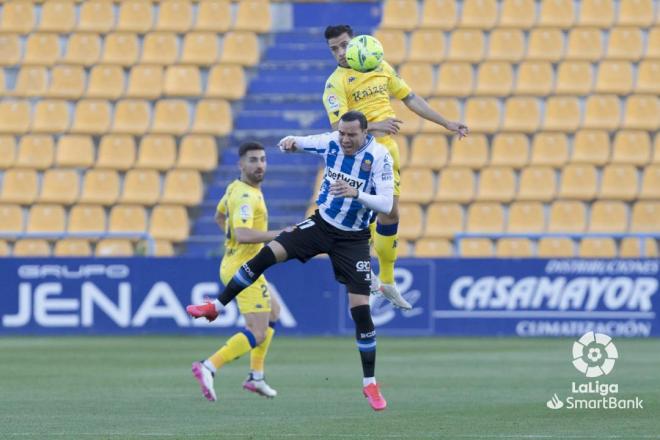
<point x="594" y="355"/>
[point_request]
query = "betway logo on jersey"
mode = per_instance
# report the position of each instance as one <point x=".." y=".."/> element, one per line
<point x="338" y="175"/>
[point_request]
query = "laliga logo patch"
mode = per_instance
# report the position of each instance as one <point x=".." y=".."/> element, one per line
<point x="351" y="79"/>
<point x="594" y="354"/>
<point x="366" y="165"/>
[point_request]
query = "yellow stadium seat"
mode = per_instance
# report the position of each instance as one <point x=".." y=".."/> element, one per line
<point x="578" y="181"/>
<point x="494" y="78"/>
<point x="41" y="49"/>
<point x="31" y="81"/>
<point x="7" y="151"/>
<point x="584" y="44"/>
<point x="141" y="187"/>
<point x="625" y="44"/>
<point x="254" y="16"/>
<point x="57" y="16"/>
<point x="182" y="187"/>
<point x="456" y="184"/>
<point x="60" y="186"/>
<point x="545" y="45"/>
<point x="574" y="78"/>
<point x="175" y="16"/>
<point x="510" y="149"/>
<point x="479" y="14"/>
<point x="14" y="116"/>
<point x="449" y="108"/>
<point x="635" y="13"/>
<point x="475" y="247"/>
<point x="17" y="17"/>
<point x="74" y="151"/>
<point x="163" y="248"/>
<point x="466" y="45"/>
<point x="443" y="220"/>
<point x="422" y="180"/>
<point x="513" y="248"/>
<point x="200" y="48"/>
<point x="31" y="247"/>
<point x="394" y="44"/>
<point x="120" y="48"/>
<point x="411" y="224"/>
<point x="72" y="247"/>
<point x="135" y="16"/>
<point x="114" y="247"/>
<point x="555" y="247"/>
<point x="213" y="16"/>
<point x="4" y="249"/>
<point x="226" y="81"/>
<point x="46" y="218"/>
<point x="454" y="79"/>
<point x="482" y="115"/>
<point x="567" y="216"/>
<point x="518" y="14"/>
<point x="240" y="48"/>
<point x="645" y="217"/>
<point x="10" y="50"/>
<point x="522" y="114"/>
<point x="602" y="112"/>
<point x="439" y="14"/>
<point x="106" y="82"/>
<point x="562" y="113"/>
<point x="96" y="16"/>
<point x="506" y="45"/>
<point x="171" y="117"/>
<point x="88" y="219"/>
<point x="92" y="116"/>
<point x="438" y="247"/>
<point x="169" y="223"/>
<point x="157" y="151"/>
<point x="608" y="217"/>
<point x="632" y="146"/>
<point x="597" y="248"/>
<point x="653" y="43"/>
<point x="35" y="151"/>
<point x="534" y="78"/>
<point x="496" y="184"/>
<point x="132" y="116"/>
<point x="411" y="122"/>
<point x="212" y="116"/>
<point x="50" y="116"/>
<point x="420" y="42"/>
<point x="19" y="186"/>
<point x="198" y="152"/>
<point x="471" y="151"/>
<point x="182" y="81"/>
<point x="591" y="146"/>
<point x="556" y="14"/>
<point x="650" y="183"/>
<point x="116" y="152"/>
<point x="597" y="13"/>
<point x="632" y="247"/>
<point x="127" y="219"/>
<point x="656" y="150"/>
<point x="642" y="113"/>
<point x="400" y="14"/>
<point x="67" y="82"/>
<point x="419" y="76"/>
<point x="526" y="217"/>
<point x="11" y="219"/>
<point x="537" y="183"/>
<point x="614" y="77"/>
<point x="618" y="182"/>
<point x="160" y="48"/>
<point x="647" y="74"/>
<point x="100" y="187"/>
<point x="145" y="81"/>
<point x="485" y="217"/>
<point x="83" y="49"/>
<point x="428" y="151"/>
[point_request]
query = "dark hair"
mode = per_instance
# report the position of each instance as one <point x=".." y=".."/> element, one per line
<point x="335" y="31"/>
<point x="355" y="115"/>
<point x="249" y="146"/>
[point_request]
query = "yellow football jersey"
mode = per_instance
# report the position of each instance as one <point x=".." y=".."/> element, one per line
<point x="368" y="92"/>
<point x="244" y="207"/>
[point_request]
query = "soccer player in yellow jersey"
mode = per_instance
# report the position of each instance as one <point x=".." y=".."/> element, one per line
<point x="243" y="216"/>
<point x="369" y="92"/>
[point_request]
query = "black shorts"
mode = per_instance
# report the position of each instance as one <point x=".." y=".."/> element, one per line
<point x="348" y="250"/>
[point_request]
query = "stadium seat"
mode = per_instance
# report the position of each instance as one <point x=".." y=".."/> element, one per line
<point x="213" y="16"/>
<point x="182" y="187"/>
<point x="400" y="14"/>
<point x="145" y="81"/>
<point x="642" y="112"/>
<point x="567" y="216"/>
<point x="35" y="151"/>
<point x="471" y="151"/>
<point x="404" y="248"/>
<point x="411" y="222"/>
<point x="171" y="116"/>
<point x="454" y="79"/>
<point x="7" y="151"/>
<point x="157" y="152"/>
<point x="31" y="248"/>
<point x="494" y="78"/>
<point x="169" y="223"/>
<point x="614" y="77"/>
<point x="632" y="147"/>
<point x="120" y="48"/>
<point x="584" y="44"/>
<point x="597" y="13"/>
<point x="631" y="247"/>
<point x="74" y="151"/>
<point x="31" y="81"/>
<point x="141" y="187"/>
<point x="448" y="108"/>
<point x="513" y="248"/>
<point x="466" y="45"/>
<point x="545" y="45"/>
<point x="635" y="13"/>
<point x="200" y="48"/>
<point x="116" y="152"/>
<point x="255" y="16"/>
<point x="650" y="183"/>
<point x="562" y="113"/>
<point x="479" y="14"/>
<point x="549" y="149"/>
<point x="556" y="14"/>
<point x="509" y="149"/>
<point x="160" y="48"/>
<point x="14" y="116"/>
<point x="608" y="217"/>
<point x="656" y="150"/>
<point x="57" y="16"/>
<point x="41" y="49"/>
<point x="420" y="42"/>
<point x="175" y="16"/>
<point x="647" y="74"/>
<point x="50" y="116"/>
<point x="578" y="182"/>
<point x="645" y="216"/>
<point x="534" y="78"/>
<point x="618" y="182"/>
<point x="100" y="187"/>
<point x="92" y="116"/>
<point x="411" y="122"/>
<point x="429" y="151"/>
<point x="240" y="48"/>
<point x="163" y="248"/>
<point x="127" y="219"/>
<point x="96" y="16"/>
<point x="456" y="184"/>
<point x="574" y="78"/>
<point x="87" y="219"/>
<point x="46" y="218"/>
<point x="135" y="16"/>
<point x="67" y="82"/>
<point x="591" y="147"/>
<point x="182" y="81"/>
<point x="72" y="247"/>
<point x="653" y="43"/>
<point x="394" y="44"/>
<point x="419" y="76"/>
<point x="485" y="217"/>
<point x="439" y="14"/>
<point x="521" y="114"/>
<point x="198" y="152"/>
<point x="436" y="247"/>
<point x="475" y="248"/>
<point x="625" y="44"/>
<point x="17" y="17"/>
<point x="4" y="249"/>
<point x="483" y="115"/>
<point x="422" y="180"/>
<point x="83" y="49"/>
<point x="537" y="183"/>
<point x="226" y="81"/>
<point x="518" y="14"/>
<point x="496" y="184"/>
<point x="602" y="112"/>
<point x="597" y="248"/>
<point x="19" y="186"/>
<point x="60" y="186"/>
<point x="132" y="116"/>
<point x="106" y="82"/>
<point x="443" y="220"/>
<point x="212" y="116"/>
<point x="114" y="247"/>
<point x="555" y="247"/>
<point x="10" y="50"/>
<point x="526" y="217"/>
<point x="11" y="219"/>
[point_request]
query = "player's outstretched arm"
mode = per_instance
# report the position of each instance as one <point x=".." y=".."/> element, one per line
<point x="419" y="105"/>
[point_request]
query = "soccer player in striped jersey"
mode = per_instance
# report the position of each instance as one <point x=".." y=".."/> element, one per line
<point x="358" y="181"/>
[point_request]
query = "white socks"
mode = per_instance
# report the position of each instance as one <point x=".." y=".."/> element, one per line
<point x="368" y="381"/>
<point x="257" y="375"/>
<point x="218" y="305"/>
<point x="209" y="365"/>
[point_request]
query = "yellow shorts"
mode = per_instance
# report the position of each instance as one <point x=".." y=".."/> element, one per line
<point x="253" y="299"/>
<point x="393" y="148"/>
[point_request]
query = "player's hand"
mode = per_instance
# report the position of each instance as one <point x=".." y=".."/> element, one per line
<point x="340" y="188"/>
<point x="288" y="229"/>
<point x="460" y="129"/>
<point x="387" y="127"/>
<point x="287" y="144"/>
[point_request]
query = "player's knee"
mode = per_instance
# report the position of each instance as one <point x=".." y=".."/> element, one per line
<point x="278" y="250"/>
<point x="274" y="312"/>
<point x="258" y="333"/>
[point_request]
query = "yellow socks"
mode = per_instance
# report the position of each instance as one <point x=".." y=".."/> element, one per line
<point x="235" y="347"/>
<point x="385" y="243"/>
<point x="258" y="353"/>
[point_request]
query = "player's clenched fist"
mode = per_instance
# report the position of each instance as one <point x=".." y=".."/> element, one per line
<point x="340" y="188"/>
<point x="288" y="144"/>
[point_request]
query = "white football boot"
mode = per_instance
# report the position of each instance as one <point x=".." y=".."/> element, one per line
<point x="259" y="387"/>
<point x="204" y="377"/>
<point x="390" y="292"/>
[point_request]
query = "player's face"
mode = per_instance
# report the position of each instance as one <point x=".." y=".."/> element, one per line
<point x="338" y="48"/>
<point x="351" y="136"/>
<point x="253" y="166"/>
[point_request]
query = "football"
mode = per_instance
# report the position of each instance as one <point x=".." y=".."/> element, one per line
<point x="364" y="53"/>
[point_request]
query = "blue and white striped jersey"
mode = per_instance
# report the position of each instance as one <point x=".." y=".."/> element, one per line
<point x="369" y="170"/>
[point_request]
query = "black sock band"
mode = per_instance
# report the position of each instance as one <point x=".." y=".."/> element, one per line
<point x="365" y="335"/>
<point x="247" y="274"/>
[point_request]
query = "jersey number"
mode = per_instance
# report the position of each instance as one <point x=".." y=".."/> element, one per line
<point x="306" y="224"/>
<point x="264" y="291"/>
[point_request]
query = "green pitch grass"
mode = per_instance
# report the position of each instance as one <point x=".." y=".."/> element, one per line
<point x="141" y="387"/>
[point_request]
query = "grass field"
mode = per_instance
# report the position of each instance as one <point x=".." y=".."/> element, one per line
<point x="141" y="387"/>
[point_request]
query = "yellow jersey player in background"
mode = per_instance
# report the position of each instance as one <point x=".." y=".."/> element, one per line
<point x="242" y="214"/>
<point x="369" y="92"/>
